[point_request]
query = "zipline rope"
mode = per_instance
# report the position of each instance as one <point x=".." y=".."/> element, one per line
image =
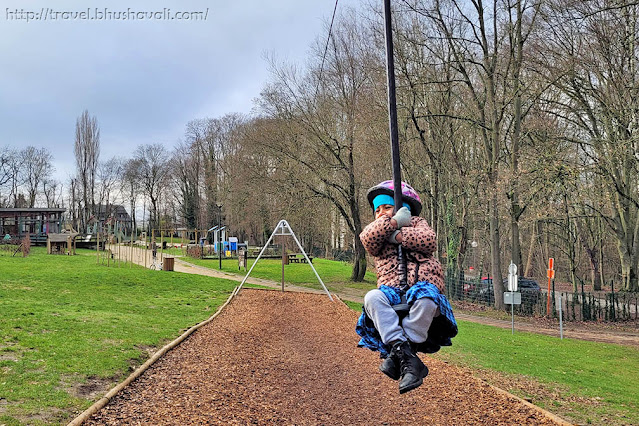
<point x="394" y="135"/>
<point x="330" y="30"/>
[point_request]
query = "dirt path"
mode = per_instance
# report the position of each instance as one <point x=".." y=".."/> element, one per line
<point x="285" y="358"/>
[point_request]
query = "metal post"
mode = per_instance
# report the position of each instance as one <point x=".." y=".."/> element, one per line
<point x="512" y="315"/>
<point x="119" y="254"/>
<point x="219" y="225"/>
<point x="283" y="254"/>
<point x="561" y="322"/>
<point x="394" y="134"/>
<point x="548" y="298"/>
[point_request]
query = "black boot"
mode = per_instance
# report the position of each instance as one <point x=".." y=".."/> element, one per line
<point x="390" y="366"/>
<point x="412" y="369"/>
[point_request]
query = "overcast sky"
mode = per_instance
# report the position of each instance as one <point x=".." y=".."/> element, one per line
<point x="143" y="77"/>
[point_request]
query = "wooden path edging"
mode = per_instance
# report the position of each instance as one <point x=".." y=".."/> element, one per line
<point x="547" y="413"/>
<point x="106" y="398"/>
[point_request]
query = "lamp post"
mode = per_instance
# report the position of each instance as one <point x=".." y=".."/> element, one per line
<point x="219" y="227"/>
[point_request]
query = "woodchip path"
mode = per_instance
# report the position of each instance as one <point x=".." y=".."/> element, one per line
<point x="275" y="357"/>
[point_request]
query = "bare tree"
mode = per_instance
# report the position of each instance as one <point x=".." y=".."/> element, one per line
<point x="440" y="155"/>
<point x="108" y="176"/>
<point x="130" y="186"/>
<point x="184" y="163"/>
<point x="36" y="168"/>
<point x="592" y="55"/>
<point x="320" y="127"/>
<point x="153" y="162"/>
<point x="50" y="190"/>
<point x="16" y="179"/>
<point x="87" y="154"/>
<point x="6" y="173"/>
<point x="73" y="203"/>
<point x="5" y="155"/>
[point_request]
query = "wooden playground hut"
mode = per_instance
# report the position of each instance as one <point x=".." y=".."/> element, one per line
<point x="61" y="243"/>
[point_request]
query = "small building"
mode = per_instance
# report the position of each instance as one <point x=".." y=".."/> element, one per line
<point x="63" y="243"/>
<point x="37" y="222"/>
<point x="111" y="215"/>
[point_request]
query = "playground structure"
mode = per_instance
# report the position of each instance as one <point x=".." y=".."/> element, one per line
<point x="35" y="222"/>
<point x="118" y="247"/>
<point x="63" y="243"/>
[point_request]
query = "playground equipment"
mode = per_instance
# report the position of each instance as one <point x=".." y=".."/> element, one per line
<point x="283" y="229"/>
<point x="61" y="243"/>
<point x="117" y="247"/>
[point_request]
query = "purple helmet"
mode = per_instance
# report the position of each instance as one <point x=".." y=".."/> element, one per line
<point x="409" y="195"/>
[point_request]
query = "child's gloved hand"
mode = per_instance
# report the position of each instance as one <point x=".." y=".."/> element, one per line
<point x="402" y="217"/>
<point x="392" y="238"/>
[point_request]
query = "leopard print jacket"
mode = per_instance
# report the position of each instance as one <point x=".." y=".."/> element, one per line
<point x="419" y="245"/>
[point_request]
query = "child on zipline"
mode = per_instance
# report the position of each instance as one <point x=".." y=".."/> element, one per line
<point x="429" y="323"/>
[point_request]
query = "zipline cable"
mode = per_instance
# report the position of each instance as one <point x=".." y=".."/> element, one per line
<point x="330" y="30"/>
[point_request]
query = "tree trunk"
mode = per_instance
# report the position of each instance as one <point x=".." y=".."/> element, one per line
<point x="359" y="264"/>
<point x="498" y="285"/>
<point x="533" y="237"/>
<point x="516" y="210"/>
<point x="595" y="276"/>
<point x="516" y="243"/>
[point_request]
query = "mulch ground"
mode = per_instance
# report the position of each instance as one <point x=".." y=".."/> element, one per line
<point x="291" y="358"/>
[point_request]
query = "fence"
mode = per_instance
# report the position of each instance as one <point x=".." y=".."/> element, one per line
<point x="576" y="306"/>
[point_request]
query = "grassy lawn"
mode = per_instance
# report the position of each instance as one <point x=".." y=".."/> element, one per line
<point x="69" y="326"/>
<point x="587" y="382"/>
<point x="334" y="274"/>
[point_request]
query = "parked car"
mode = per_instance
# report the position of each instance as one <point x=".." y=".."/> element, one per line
<point x="468" y="287"/>
<point x="528" y="287"/>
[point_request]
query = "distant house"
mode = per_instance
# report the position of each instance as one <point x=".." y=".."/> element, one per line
<point x="37" y="222"/>
<point x="112" y="214"/>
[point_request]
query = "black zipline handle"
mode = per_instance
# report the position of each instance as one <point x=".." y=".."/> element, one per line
<point x="394" y="134"/>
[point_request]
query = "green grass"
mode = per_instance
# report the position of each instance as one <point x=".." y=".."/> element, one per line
<point x="334" y="274"/>
<point x="357" y="307"/>
<point x="600" y="380"/>
<point x="65" y="320"/>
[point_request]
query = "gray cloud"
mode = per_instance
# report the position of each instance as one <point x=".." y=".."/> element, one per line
<point x="142" y="79"/>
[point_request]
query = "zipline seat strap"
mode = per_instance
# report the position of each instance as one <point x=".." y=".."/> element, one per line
<point x="402" y="308"/>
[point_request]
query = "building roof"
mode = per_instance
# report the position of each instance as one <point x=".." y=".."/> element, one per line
<point x="61" y="238"/>
<point x="34" y="210"/>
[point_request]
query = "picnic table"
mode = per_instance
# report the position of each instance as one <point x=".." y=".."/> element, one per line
<point x="298" y="257"/>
